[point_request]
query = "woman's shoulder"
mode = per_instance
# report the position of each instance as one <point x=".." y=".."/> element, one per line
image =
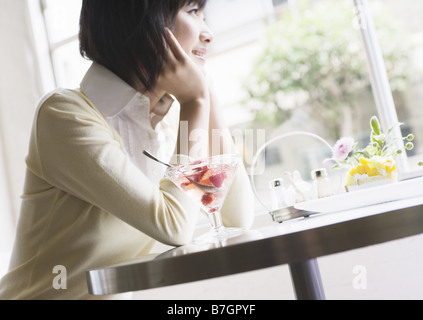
<point x="67" y="100"/>
<point x="65" y="97"/>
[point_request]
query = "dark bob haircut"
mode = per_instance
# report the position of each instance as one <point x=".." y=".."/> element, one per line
<point x="128" y="36"/>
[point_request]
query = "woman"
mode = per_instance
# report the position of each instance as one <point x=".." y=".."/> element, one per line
<point x="91" y="198"/>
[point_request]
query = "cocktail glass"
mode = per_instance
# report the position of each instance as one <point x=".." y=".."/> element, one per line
<point x="208" y="181"/>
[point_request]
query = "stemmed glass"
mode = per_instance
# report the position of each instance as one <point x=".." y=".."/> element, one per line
<point x="208" y="181"/>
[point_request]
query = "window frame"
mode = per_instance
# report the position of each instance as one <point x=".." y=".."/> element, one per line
<point x="381" y="90"/>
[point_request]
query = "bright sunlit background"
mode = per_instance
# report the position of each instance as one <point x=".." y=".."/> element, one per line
<point x="283" y="66"/>
<point x="278" y="66"/>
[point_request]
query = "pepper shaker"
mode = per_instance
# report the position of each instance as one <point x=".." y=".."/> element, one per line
<point x="321" y="183"/>
<point x="277" y="193"/>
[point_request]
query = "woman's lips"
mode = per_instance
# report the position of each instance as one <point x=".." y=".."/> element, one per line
<point x="200" y="53"/>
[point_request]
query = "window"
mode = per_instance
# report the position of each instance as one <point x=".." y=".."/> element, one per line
<point x="241" y="28"/>
<point x="408" y="95"/>
<point x="59" y="45"/>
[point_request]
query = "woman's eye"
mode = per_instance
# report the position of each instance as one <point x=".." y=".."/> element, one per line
<point x="194" y="11"/>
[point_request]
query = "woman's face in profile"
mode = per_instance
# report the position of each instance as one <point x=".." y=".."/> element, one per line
<point x="193" y="33"/>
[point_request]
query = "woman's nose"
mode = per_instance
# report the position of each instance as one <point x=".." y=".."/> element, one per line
<point x="207" y="35"/>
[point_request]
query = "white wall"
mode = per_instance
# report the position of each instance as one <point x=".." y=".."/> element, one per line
<point x="20" y="90"/>
<point x="6" y="221"/>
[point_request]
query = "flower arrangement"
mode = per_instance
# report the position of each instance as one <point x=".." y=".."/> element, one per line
<point x="376" y="161"/>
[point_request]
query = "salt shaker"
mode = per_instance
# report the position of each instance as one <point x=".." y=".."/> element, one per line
<point x="321" y="183"/>
<point x="277" y="194"/>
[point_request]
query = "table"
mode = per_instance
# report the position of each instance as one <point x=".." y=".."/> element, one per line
<point x="297" y="243"/>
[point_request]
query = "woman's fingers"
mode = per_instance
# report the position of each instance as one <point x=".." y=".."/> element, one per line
<point x="174" y="46"/>
<point x="180" y="75"/>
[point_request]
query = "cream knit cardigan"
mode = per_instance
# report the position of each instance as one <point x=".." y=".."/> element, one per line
<point x="86" y="205"/>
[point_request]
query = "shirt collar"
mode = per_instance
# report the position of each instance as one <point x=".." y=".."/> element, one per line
<point x="110" y="94"/>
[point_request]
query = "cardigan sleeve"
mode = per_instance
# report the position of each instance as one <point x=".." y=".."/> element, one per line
<point x="78" y="152"/>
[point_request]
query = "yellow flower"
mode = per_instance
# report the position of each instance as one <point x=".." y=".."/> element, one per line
<point x="373" y="167"/>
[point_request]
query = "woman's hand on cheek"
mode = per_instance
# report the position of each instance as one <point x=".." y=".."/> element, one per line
<point x="181" y="76"/>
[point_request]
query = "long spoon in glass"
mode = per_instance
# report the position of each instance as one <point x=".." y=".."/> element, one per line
<point x="202" y="186"/>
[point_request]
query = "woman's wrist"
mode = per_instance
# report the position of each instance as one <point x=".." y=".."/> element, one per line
<point x="195" y="110"/>
<point x="193" y="136"/>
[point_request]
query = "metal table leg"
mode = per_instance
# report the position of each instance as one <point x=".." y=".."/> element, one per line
<point x="306" y="280"/>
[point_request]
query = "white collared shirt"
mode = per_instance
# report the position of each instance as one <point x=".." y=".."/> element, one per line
<point x="128" y="111"/>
